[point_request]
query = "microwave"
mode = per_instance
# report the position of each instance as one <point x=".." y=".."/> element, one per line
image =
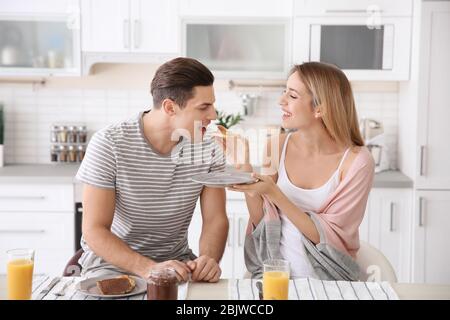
<point x="255" y="48"/>
<point x="363" y="49"/>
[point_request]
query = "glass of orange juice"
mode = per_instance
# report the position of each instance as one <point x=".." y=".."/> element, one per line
<point x="20" y="273"/>
<point x="276" y="279"/>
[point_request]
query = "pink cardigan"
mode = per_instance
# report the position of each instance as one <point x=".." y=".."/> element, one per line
<point x="342" y="213"/>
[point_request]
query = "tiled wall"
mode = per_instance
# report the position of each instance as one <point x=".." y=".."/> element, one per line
<point x="29" y="114"/>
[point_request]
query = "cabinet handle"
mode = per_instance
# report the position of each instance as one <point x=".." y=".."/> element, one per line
<point x="421" y="204"/>
<point x="422" y="151"/>
<point x="229" y="240"/>
<point x="137" y="34"/>
<point x="391" y="218"/>
<point x="22" y="231"/>
<point x="239" y="232"/>
<point x="22" y="198"/>
<point x="126" y="38"/>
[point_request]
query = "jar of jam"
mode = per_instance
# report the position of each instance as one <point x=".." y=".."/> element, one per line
<point x="162" y="284"/>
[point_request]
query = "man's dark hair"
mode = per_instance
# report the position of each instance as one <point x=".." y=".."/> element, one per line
<point x="176" y="79"/>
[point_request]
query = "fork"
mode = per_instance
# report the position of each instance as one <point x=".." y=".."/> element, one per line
<point x="62" y="291"/>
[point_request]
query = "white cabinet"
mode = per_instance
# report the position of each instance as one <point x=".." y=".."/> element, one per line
<point x="238" y="47"/>
<point x="232" y="263"/>
<point x="431" y="254"/>
<point x="433" y="157"/>
<point x="41" y="217"/>
<point x="130" y="26"/>
<point x="387" y="225"/>
<point x="105" y="25"/>
<point x="236" y="8"/>
<point x="39" y="38"/>
<point x="352" y="7"/>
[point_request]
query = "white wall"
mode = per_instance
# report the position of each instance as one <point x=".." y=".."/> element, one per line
<point x="116" y="92"/>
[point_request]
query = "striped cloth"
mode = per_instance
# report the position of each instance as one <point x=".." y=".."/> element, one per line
<point x="314" y="289"/>
<point x="155" y="196"/>
<point x="41" y="282"/>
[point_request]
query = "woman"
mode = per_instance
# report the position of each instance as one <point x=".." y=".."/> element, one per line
<point x="322" y="177"/>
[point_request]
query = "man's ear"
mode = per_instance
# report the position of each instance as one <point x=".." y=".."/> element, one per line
<point x="169" y="106"/>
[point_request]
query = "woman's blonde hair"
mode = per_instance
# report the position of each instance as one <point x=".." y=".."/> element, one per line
<point x="331" y="91"/>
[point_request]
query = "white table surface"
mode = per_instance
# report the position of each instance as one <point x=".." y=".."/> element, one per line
<point x="219" y="291"/>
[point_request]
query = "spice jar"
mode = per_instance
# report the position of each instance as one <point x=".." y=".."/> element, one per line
<point x="162" y="284"/>
<point x="72" y="154"/>
<point x="62" y="153"/>
<point x="82" y="134"/>
<point x="62" y="134"/>
<point x="81" y="152"/>
<point x="71" y="134"/>
<point x="54" y="134"/>
<point x="53" y="153"/>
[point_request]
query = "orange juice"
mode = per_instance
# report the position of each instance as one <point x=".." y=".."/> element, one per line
<point x="20" y="278"/>
<point x="275" y="285"/>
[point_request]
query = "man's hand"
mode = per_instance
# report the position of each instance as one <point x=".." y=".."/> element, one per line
<point x="181" y="268"/>
<point x="205" y="269"/>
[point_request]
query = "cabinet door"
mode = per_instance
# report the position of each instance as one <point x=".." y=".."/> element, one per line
<point x="105" y="25"/>
<point x="236" y="8"/>
<point x="195" y="230"/>
<point x="240" y="226"/>
<point x="434" y="112"/>
<point x="389" y="227"/>
<point x="51" y="235"/>
<point x="154" y="26"/>
<point x="431" y="254"/>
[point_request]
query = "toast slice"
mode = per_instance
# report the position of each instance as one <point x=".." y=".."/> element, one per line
<point x="119" y="285"/>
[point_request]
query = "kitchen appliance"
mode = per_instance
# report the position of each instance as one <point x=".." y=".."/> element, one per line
<point x="374" y="138"/>
<point x="366" y="43"/>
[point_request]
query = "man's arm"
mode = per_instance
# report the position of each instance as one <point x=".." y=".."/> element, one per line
<point x="98" y="213"/>
<point x="214" y="235"/>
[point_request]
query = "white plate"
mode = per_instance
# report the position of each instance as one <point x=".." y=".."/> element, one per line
<point x="223" y="179"/>
<point x="89" y="287"/>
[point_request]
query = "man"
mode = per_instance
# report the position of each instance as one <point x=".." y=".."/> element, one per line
<point x="138" y="198"/>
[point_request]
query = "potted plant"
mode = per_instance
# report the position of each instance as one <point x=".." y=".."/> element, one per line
<point x="228" y="120"/>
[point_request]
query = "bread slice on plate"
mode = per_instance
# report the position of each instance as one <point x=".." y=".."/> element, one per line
<point x="119" y="285"/>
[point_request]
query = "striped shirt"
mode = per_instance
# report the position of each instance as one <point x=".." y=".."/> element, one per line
<point x="155" y="197"/>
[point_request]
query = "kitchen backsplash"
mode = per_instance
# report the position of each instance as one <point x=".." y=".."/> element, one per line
<point x="29" y="114"/>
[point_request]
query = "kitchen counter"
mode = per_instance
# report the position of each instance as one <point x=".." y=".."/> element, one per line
<point x="65" y="173"/>
<point x="38" y="173"/>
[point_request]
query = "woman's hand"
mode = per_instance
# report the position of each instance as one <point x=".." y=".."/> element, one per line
<point x="236" y="149"/>
<point x="264" y="186"/>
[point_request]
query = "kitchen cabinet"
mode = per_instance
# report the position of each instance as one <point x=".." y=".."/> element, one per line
<point x="352" y="7"/>
<point x="388" y="221"/>
<point x="423" y="137"/>
<point x="433" y="171"/>
<point x="232" y="263"/>
<point x="236" y="8"/>
<point x="431" y="255"/>
<point x="39" y="38"/>
<point x="239" y="48"/>
<point x="41" y="217"/>
<point x="130" y="26"/>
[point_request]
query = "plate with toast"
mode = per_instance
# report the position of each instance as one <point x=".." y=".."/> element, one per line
<point x="112" y="286"/>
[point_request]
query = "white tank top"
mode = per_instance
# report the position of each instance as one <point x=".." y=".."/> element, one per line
<point x="308" y="200"/>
